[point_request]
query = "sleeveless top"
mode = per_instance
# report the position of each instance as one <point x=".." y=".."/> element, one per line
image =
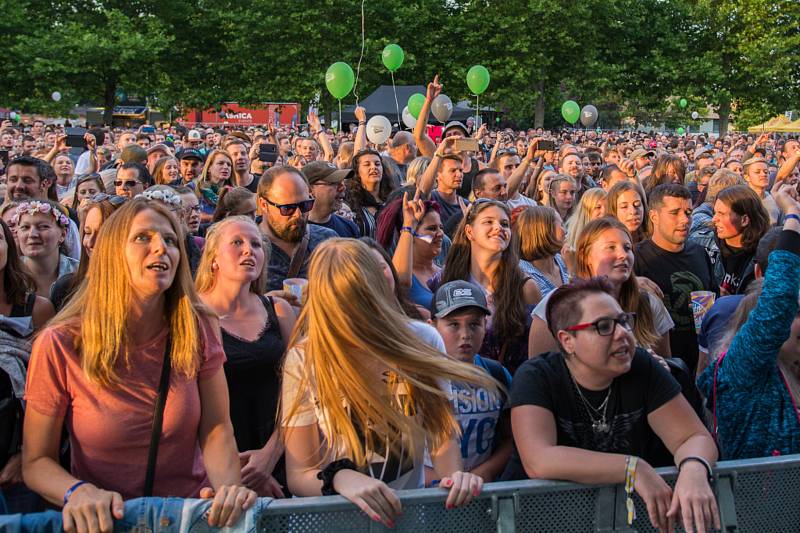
<point x="18" y="310"/>
<point x="542" y="281"/>
<point x="253" y="371"/>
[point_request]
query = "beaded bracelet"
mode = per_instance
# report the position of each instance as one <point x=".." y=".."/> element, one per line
<point x="630" y="481"/>
<point x="72" y="489"/>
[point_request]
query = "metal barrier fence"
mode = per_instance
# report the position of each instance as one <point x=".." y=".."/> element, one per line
<point x="759" y="495"/>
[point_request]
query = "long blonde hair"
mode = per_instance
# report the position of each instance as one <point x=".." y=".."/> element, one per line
<point x="100" y="306"/>
<point x="204" y="180"/>
<point x="205" y="278"/>
<point x="582" y="215"/>
<point x="352" y="321"/>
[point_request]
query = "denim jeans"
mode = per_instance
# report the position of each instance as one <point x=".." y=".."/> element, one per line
<point x="46" y="522"/>
<point x="178" y="515"/>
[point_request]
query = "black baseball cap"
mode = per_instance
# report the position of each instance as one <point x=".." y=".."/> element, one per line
<point x="191" y="153"/>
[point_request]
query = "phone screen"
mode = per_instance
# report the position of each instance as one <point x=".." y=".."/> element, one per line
<point x="547" y="146"/>
<point x="268" y="153"/>
<point x="466" y="145"/>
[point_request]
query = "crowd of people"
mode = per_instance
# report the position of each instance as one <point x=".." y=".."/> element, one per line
<point x="183" y="316"/>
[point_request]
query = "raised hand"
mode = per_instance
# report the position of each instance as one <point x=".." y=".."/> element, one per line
<point x="434" y="89"/>
<point x="361" y="114"/>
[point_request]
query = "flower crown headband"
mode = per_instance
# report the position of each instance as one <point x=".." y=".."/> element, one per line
<point x="35" y="207"/>
<point x="167" y="197"/>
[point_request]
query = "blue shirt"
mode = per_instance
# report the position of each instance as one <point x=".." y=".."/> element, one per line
<point x="279" y="262"/>
<point x="343" y="227"/>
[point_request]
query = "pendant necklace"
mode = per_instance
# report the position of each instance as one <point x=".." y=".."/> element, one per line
<point x="599" y="424"/>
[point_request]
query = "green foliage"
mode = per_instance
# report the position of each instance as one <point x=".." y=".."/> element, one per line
<point x="633" y="59"/>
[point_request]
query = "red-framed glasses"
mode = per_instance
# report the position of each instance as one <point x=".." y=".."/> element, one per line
<point x="605" y="326"/>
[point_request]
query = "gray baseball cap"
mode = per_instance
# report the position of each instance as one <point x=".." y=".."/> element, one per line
<point x="456" y="295"/>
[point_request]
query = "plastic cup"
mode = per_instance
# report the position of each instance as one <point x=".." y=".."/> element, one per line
<point x="701" y="303"/>
<point x="297" y="287"/>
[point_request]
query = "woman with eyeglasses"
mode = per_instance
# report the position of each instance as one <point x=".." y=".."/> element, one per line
<point x="41" y="231"/>
<point x="368" y="190"/>
<point x="588" y="412"/>
<point x="97" y="209"/>
<point x="605" y="249"/>
<point x="485" y="252"/>
<point x="215" y="175"/>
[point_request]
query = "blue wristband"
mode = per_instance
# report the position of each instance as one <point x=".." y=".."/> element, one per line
<point x="792" y="215"/>
<point x="72" y="489"/>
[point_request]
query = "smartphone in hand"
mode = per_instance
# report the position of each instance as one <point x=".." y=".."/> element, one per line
<point x="465" y="144"/>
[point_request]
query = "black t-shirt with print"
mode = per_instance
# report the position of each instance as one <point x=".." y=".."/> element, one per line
<point x="678" y="274"/>
<point x="739" y="267"/>
<point x="546" y="382"/>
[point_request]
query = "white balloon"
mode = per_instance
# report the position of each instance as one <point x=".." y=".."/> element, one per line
<point x="12" y="115"/>
<point x="379" y="129"/>
<point x="695" y="115"/>
<point x="56" y="96"/>
<point x="408" y="118"/>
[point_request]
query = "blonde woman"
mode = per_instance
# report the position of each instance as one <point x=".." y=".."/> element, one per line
<point x="362" y="391"/>
<point x="561" y="195"/>
<point x="591" y="207"/>
<point x="167" y="171"/>
<point x="416" y="169"/>
<point x="216" y="173"/>
<point x="134" y="323"/>
<point x="255" y="332"/>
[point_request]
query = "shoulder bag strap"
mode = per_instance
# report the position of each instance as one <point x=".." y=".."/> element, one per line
<point x="714" y="396"/>
<point x="298" y="257"/>
<point x="158" y="418"/>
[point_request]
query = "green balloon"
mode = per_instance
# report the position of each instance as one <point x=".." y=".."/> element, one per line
<point x="681" y="131"/>
<point x="683" y="102"/>
<point x="478" y="79"/>
<point x="339" y="79"/>
<point x="393" y="57"/>
<point x="415" y="102"/>
<point x="571" y="111"/>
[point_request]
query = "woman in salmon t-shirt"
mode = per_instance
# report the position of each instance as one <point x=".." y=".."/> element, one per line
<point x="97" y="368"/>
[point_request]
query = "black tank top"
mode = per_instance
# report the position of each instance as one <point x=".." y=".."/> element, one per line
<point x="253" y="374"/>
<point x="24" y="310"/>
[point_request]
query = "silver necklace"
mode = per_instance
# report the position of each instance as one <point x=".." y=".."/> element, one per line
<point x="599" y="425"/>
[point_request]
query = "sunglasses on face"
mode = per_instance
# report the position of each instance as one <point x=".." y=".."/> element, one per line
<point x="128" y="184"/>
<point x="605" y="326"/>
<point x="288" y="210"/>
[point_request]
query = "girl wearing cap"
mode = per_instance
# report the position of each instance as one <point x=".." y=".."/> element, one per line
<point x="362" y="430"/>
<point x="485" y="252"/>
<point x="41" y="232"/>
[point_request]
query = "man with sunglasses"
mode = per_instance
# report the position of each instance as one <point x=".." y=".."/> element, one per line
<point x="328" y="190"/>
<point x="132" y="179"/>
<point x="284" y="202"/>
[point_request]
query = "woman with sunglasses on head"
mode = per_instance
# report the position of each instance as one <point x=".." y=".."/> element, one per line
<point x="255" y="332"/>
<point x="215" y="175"/>
<point x="41" y="232"/>
<point x="96" y="211"/>
<point x="133" y="329"/>
<point x="368" y="190"/>
<point x="362" y="431"/>
<point x="605" y="249"/>
<point x="588" y="412"/>
<point x="485" y="252"/>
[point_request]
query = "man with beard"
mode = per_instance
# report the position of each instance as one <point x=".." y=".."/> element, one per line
<point x="679" y="267"/>
<point x="328" y="190"/>
<point x="284" y="202"/>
